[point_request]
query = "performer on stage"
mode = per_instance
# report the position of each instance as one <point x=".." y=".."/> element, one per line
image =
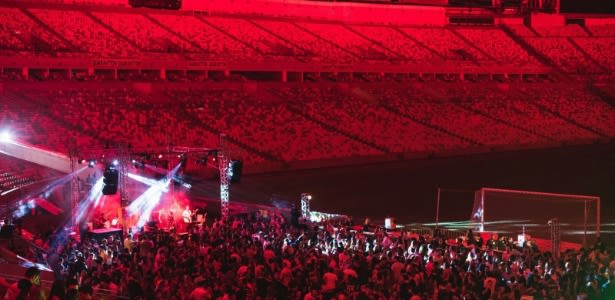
<point x="162" y="218"/>
<point x="171" y="219"/>
<point x="187" y="215"/>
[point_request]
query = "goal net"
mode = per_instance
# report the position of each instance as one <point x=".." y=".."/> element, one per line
<point x="513" y="211"/>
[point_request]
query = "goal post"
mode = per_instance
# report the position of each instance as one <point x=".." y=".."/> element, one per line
<point x="505" y="210"/>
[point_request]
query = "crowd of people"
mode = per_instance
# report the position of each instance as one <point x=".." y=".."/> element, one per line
<point x="267" y="256"/>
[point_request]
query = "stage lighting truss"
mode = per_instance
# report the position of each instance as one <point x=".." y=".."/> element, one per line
<point x="122" y="157"/>
<point x="225" y="180"/>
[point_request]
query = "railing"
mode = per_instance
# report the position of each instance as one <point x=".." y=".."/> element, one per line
<point x="101" y="294"/>
<point x="445" y="233"/>
<point x="450" y="67"/>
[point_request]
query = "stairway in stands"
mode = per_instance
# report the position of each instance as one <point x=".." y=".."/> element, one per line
<point x="301" y="48"/>
<point x="324" y="40"/>
<point x="505" y="122"/>
<point x="383" y="104"/>
<point x="248" y="45"/>
<point x="190" y="117"/>
<point x="601" y="91"/>
<point x="176" y="34"/>
<point x="587" y="56"/>
<point x="113" y="31"/>
<point x="297" y="110"/>
<point x="547" y="61"/>
<point x="35" y="103"/>
<point x="394" y="54"/>
<point x="566" y="119"/>
<point x="51" y="30"/>
<point x="295" y="107"/>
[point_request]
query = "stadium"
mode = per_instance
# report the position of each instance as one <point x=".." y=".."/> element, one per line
<point x="298" y="149"/>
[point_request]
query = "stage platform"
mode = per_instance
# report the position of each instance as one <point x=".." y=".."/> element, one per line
<point x="103" y="233"/>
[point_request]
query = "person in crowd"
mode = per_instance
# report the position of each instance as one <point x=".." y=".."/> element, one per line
<point x="58" y="290"/>
<point x="264" y="256"/>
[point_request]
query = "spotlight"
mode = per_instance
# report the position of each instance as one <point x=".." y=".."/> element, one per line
<point x="83" y="161"/>
<point x="92" y="163"/>
<point x="159" y="156"/>
<point x="309" y="197"/>
<point x="6" y="137"/>
<point x="235" y="169"/>
<point x="134" y="161"/>
<point x="116" y="162"/>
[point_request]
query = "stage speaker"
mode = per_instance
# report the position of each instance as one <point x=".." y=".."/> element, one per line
<point x="110" y="181"/>
<point x="6" y="232"/>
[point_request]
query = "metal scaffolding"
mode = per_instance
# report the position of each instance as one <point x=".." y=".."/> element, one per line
<point x="75" y="194"/>
<point x="124" y="161"/>
<point x="225" y="180"/>
<point x="555" y="236"/>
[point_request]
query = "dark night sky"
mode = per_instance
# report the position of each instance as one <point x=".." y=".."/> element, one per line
<point x="588" y="6"/>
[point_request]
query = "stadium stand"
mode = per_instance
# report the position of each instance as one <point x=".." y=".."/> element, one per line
<point x="35" y="31"/>
<point x="143" y="32"/>
<point x="396" y="42"/>
<point x="498" y="45"/>
<point x="313" y="122"/>
<point x="445" y="42"/>
<point x="85" y="33"/>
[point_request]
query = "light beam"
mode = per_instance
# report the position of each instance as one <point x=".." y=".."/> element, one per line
<point x="146" y="202"/>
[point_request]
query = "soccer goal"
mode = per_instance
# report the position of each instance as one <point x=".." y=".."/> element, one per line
<point x="514" y="211"/>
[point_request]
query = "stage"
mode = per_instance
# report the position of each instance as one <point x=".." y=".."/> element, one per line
<point x="103" y="233"/>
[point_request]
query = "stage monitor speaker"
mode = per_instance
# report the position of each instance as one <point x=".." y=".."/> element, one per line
<point x="110" y="180"/>
<point x="6" y="232"/>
